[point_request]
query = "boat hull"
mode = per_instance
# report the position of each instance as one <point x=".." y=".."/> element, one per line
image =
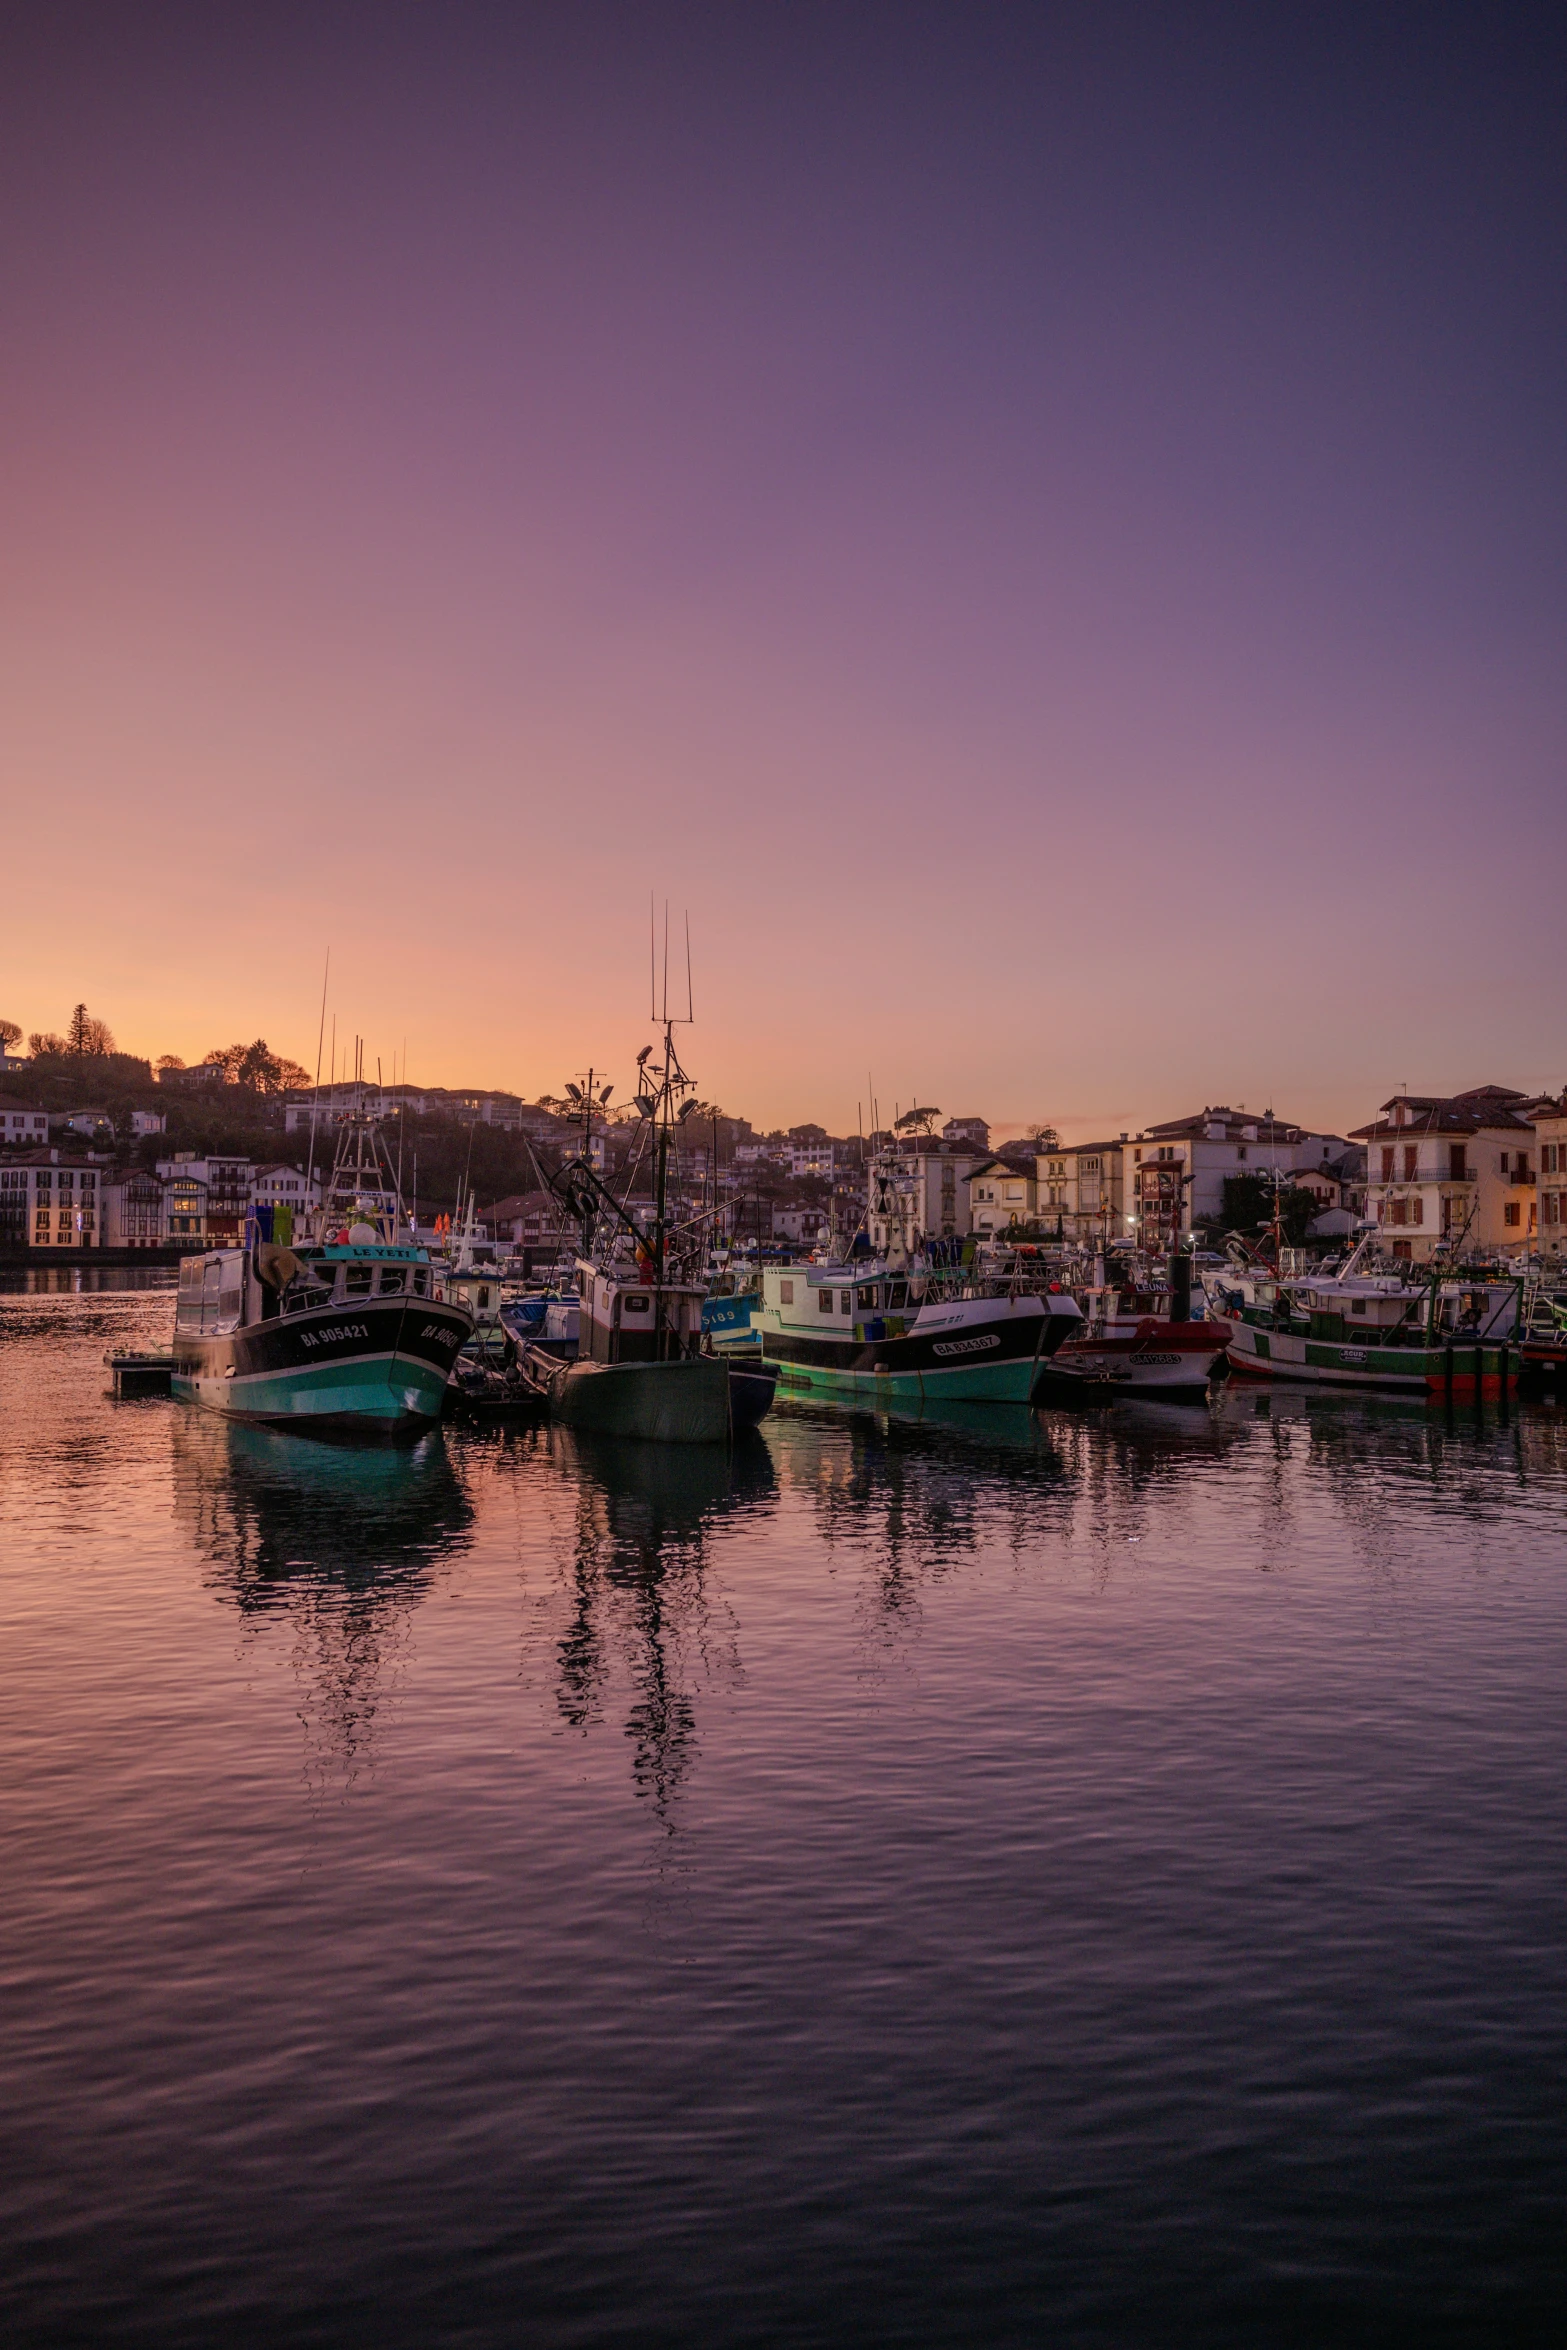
<point x="1168" y="1359"/>
<point x="681" y="1402"/>
<point x="1461" y="1371"/>
<point x="378" y="1365"/>
<point x="990" y="1363"/>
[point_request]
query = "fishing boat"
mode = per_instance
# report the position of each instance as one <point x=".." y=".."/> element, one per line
<point x="1137" y="1338"/>
<point x="867" y="1332"/>
<point x="343" y="1327"/>
<point x="1448" y="1336"/>
<point x="641" y="1368"/>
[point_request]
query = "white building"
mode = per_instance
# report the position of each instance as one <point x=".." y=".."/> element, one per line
<point x="813" y="1158"/>
<point x="1001" y="1192"/>
<point x="23" y="1125"/>
<point x="279" y="1186"/>
<point x="1174" y="1173"/>
<point x="1453" y="1169"/>
<point x="918" y="1193"/>
<point x="1550" y="1130"/>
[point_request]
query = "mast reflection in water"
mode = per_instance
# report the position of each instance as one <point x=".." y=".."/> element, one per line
<point x="342" y="1540"/>
<point x="641" y="1615"/>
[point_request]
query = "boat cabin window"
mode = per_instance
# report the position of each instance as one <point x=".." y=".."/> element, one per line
<point x="786" y="1293"/>
<point x="1357" y="1305"/>
<point x="393" y="1280"/>
<point x="846" y="1302"/>
<point x="824" y="1301"/>
<point x="357" y="1280"/>
<point x="419" y="1281"/>
<point x="636" y="1305"/>
<point x="865" y="1297"/>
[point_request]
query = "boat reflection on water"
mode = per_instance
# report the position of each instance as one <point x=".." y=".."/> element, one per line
<point x="272" y="1510"/>
<point x="341" y="1541"/>
<point x="644" y="1631"/>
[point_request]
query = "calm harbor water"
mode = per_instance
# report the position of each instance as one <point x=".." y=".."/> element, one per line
<point x="994" y="1881"/>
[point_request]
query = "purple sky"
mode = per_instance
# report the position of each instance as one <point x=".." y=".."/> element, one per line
<point x="1043" y="528"/>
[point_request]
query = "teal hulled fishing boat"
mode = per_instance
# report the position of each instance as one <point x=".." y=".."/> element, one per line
<point x="347" y="1328"/>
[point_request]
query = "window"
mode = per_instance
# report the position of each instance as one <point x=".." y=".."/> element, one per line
<point x="1457" y="1163"/>
<point x="420" y="1281"/>
<point x="1512" y="1213"/>
<point x="865" y="1298"/>
<point x="393" y="1278"/>
<point x="786" y="1293"/>
<point x="1411" y="1160"/>
<point x="1503" y="1164"/>
<point x="637" y="1305"/>
<point x="1387" y="1166"/>
<point x="1417" y="1210"/>
<point x="824" y="1301"/>
<point x="357" y="1280"/>
<point x="1240" y="1151"/>
<point x="1400" y="1211"/>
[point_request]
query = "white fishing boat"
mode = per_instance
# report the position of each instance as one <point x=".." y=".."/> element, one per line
<point x="867" y="1332"/>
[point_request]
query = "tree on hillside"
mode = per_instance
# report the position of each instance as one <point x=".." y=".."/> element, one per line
<point x="87" y="1037"/>
<point x="44" y="1045"/>
<point x="1044" y="1138"/>
<point x="918" y="1122"/>
<point x="256" y="1067"/>
<point x="168" y="1061"/>
<point x="10" y="1034"/>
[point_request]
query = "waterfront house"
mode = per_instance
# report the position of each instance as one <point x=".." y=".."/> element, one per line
<point x="1455" y="1169"/>
<point x="184" y="1202"/>
<point x="132" y="1209"/>
<point x="974" y="1132"/>
<point x="225" y="1187"/>
<point x="49" y="1202"/>
<point x="280" y="1186"/>
<point x="1550" y="1136"/>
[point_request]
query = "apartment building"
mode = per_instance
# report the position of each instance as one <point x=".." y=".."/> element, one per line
<point x="1175" y="1172"/>
<point x="49" y="1202"/>
<point x="1455" y="1169"/>
<point x="1550" y="1140"/>
<point x="224" y="1186"/>
<point x="1079" y="1190"/>
<point x="919" y="1193"/>
<point x="133" y="1210"/>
